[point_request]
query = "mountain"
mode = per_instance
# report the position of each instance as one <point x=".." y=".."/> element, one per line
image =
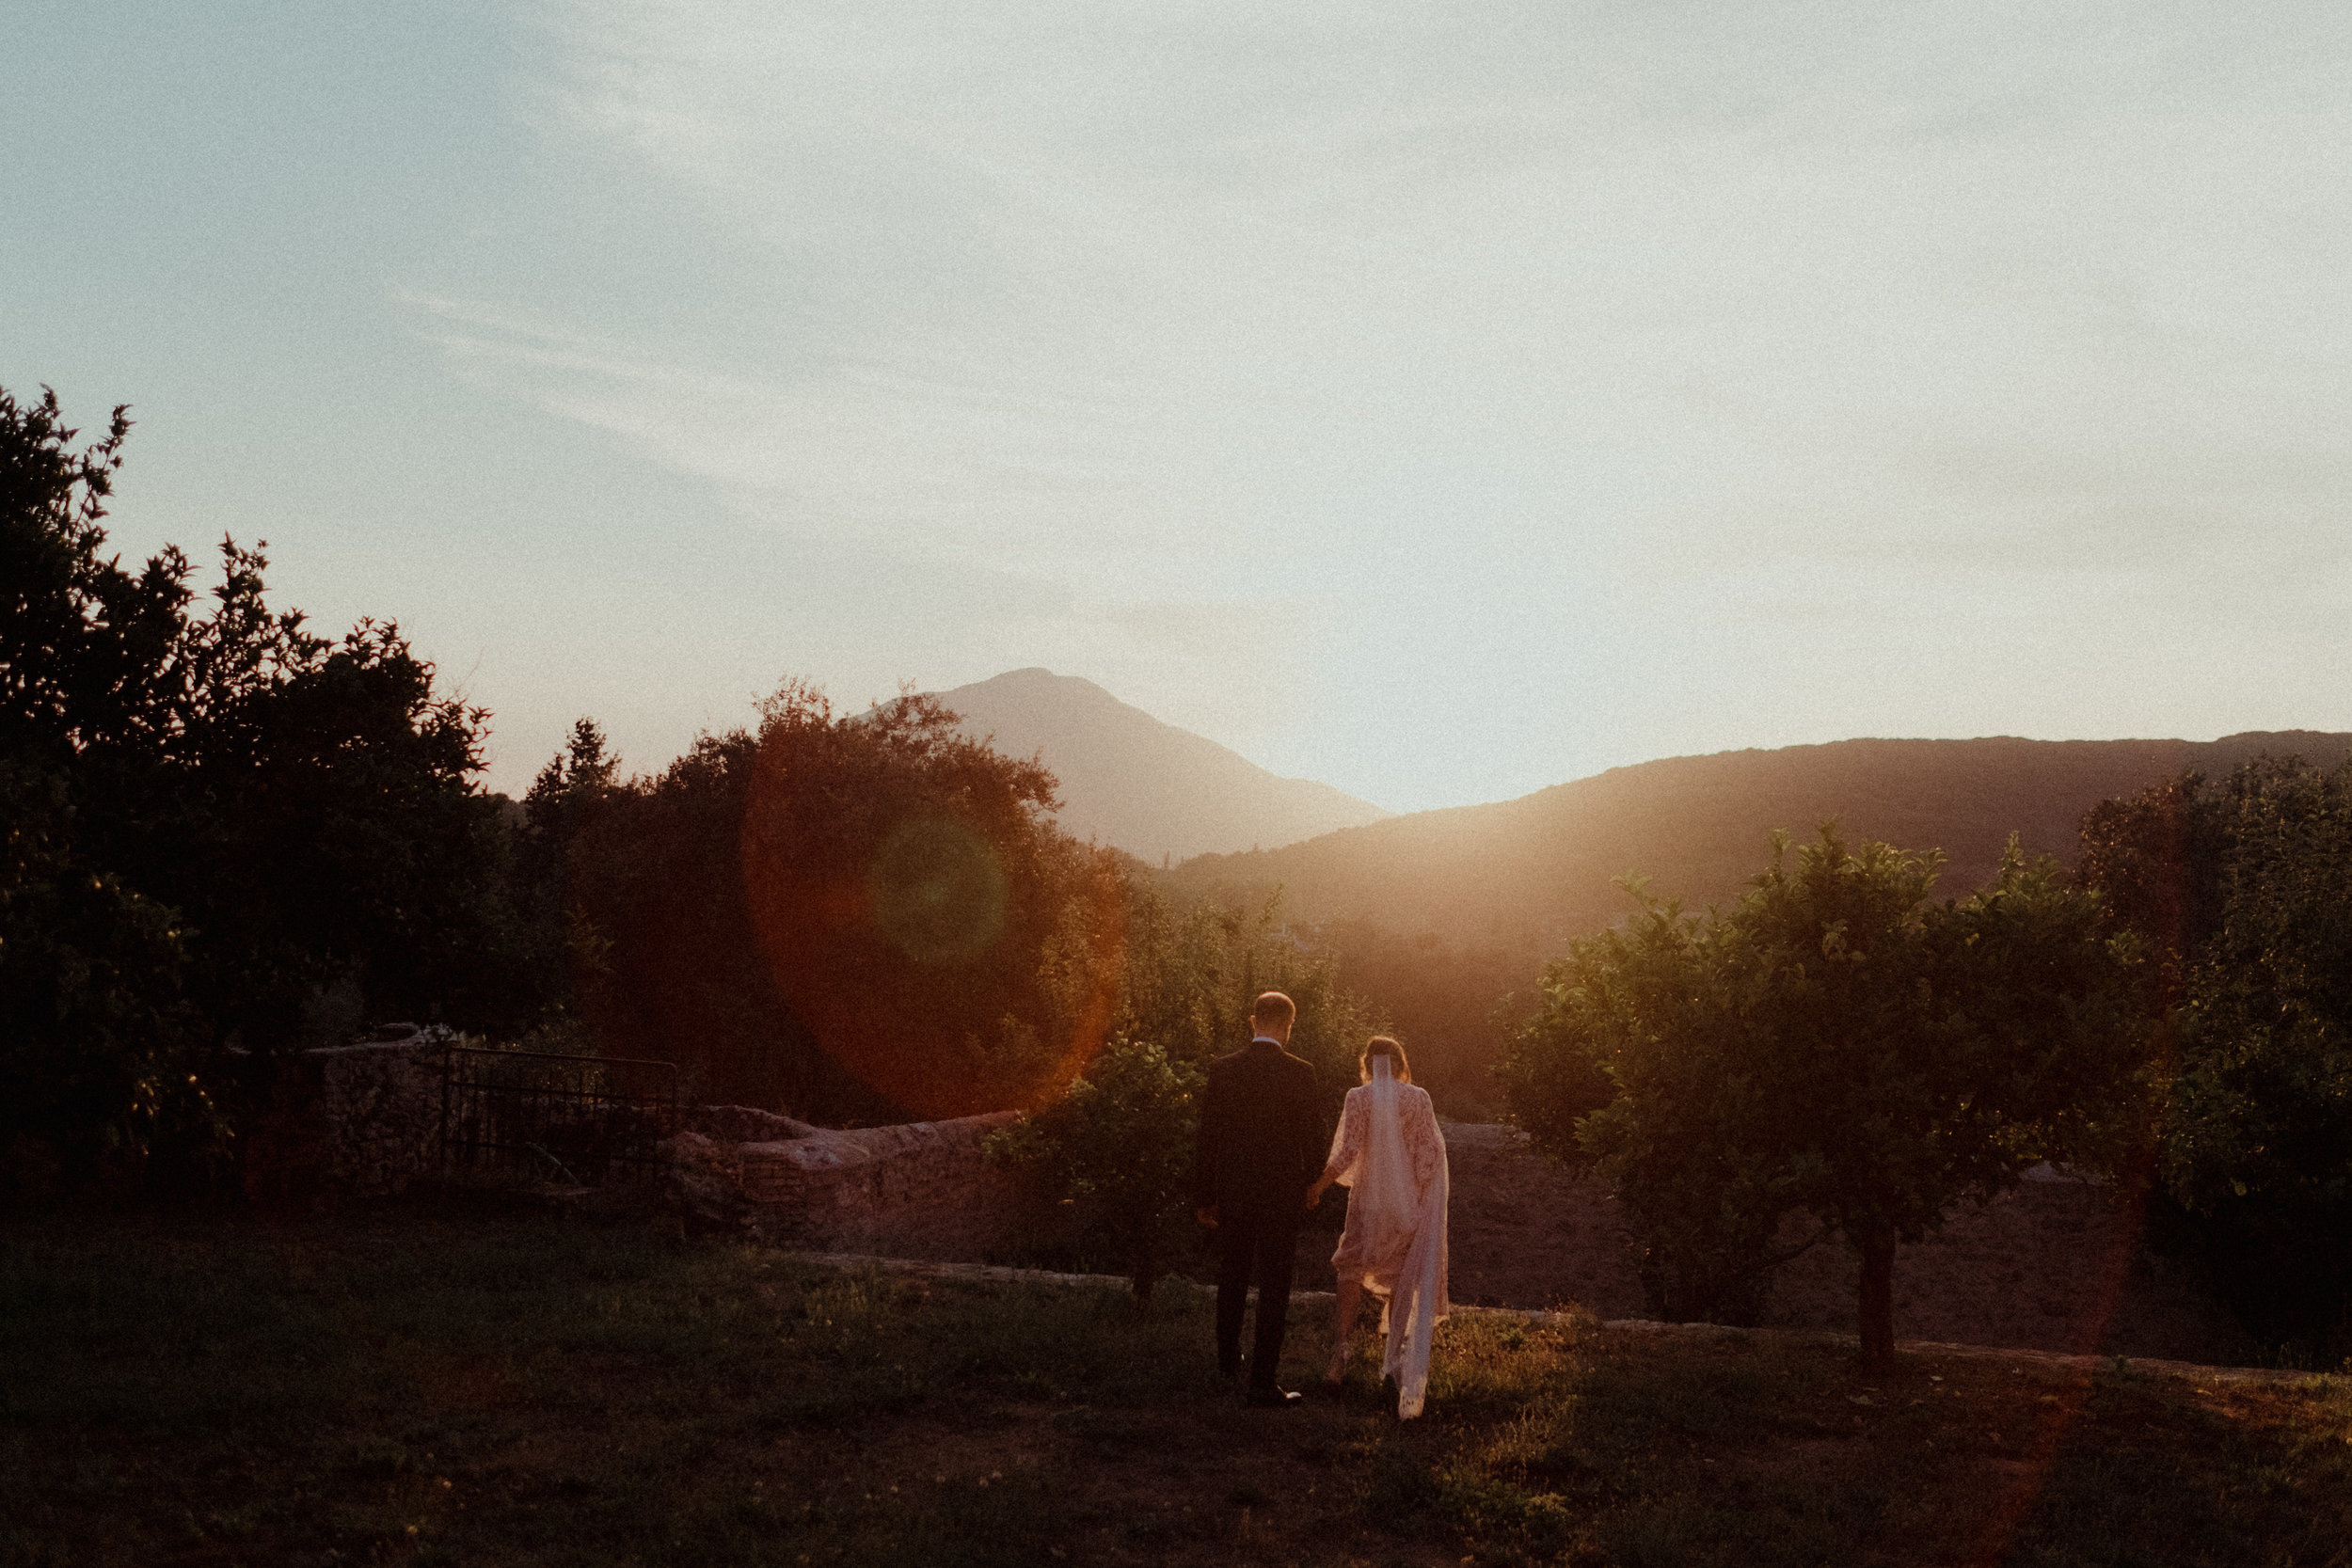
<point x="1149" y="788"/>
<point x="1540" y="868"/>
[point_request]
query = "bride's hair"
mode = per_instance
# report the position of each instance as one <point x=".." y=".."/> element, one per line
<point x="1383" y="1046"/>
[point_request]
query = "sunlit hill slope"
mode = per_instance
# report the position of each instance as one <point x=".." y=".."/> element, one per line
<point x="1542" y="866"/>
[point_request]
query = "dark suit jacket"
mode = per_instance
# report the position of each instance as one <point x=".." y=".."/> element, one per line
<point x="1261" y="1144"/>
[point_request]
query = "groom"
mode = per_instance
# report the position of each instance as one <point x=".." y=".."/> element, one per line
<point x="1260" y="1148"/>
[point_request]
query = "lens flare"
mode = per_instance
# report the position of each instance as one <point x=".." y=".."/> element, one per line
<point x="947" y="968"/>
<point x="938" y="891"/>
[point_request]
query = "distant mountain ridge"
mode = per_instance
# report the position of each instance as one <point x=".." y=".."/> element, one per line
<point x="1541" y="867"/>
<point x="1145" y="787"/>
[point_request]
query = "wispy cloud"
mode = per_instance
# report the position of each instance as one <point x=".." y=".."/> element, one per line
<point x="1499" y="339"/>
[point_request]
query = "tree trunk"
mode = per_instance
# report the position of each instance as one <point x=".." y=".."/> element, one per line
<point x="1877" y="1319"/>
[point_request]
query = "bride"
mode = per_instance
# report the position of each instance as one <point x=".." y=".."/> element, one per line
<point x="1389" y="1155"/>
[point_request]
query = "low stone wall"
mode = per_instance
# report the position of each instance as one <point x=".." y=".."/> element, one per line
<point x="742" y="1124"/>
<point x="366" y="1120"/>
<point x="919" y="1190"/>
<point x="2054" y="1265"/>
<point x="923" y="1190"/>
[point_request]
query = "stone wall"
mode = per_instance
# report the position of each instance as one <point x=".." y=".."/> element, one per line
<point x="382" y="1107"/>
<point x="918" y="1190"/>
<point x="356" y="1118"/>
<point x="366" y="1119"/>
<point x="2054" y="1265"/>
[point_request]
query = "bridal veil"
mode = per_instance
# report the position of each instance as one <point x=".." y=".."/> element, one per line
<point x="1395" y="1240"/>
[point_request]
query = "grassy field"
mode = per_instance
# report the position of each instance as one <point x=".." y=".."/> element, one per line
<point x="437" y="1387"/>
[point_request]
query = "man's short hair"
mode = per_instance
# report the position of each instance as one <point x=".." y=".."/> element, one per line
<point x="1273" y="1007"/>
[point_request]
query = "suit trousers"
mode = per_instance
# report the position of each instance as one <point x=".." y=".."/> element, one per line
<point x="1255" y="1249"/>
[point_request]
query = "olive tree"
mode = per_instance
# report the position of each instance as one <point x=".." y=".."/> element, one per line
<point x="2246" y="890"/>
<point x="1837" y="1050"/>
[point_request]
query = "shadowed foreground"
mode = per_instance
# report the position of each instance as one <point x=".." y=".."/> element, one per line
<point x="421" y="1388"/>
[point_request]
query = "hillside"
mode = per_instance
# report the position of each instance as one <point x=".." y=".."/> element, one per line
<point x="1148" y="787"/>
<point x="1540" y="868"/>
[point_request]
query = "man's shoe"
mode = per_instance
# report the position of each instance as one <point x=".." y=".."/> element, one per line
<point x="1272" y="1398"/>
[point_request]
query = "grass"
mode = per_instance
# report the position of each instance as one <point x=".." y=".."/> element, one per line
<point x="418" y="1387"/>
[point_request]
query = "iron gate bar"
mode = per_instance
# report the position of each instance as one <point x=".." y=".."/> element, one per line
<point x="603" y="1129"/>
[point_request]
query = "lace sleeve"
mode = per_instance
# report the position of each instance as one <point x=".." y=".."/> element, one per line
<point x="1423" y="1143"/>
<point x="1348" y="1139"/>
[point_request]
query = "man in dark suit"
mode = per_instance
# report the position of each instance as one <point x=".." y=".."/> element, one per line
<point x="1261" y="1149"/>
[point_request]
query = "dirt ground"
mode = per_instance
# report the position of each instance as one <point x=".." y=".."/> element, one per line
<point x="2052" y="1266"/>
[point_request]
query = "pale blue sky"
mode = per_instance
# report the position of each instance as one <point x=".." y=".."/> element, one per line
<point x="1441" y="402"/>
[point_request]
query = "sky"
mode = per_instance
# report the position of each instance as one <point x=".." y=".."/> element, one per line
<point x="1440" y="402"/>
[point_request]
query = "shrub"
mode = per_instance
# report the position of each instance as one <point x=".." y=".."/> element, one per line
<point x="1120" y="1141"/>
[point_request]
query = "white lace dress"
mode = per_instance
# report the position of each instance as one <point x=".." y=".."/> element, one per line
<point x="1389" y="1155"/>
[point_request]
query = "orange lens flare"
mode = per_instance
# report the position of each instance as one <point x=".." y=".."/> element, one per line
<point x="943" y="978"/>
<point x="938" y="891"/>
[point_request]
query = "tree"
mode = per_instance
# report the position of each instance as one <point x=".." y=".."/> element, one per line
<point x="95" y="1037"/>
<point x="1189" y="972"/>
<point x="560" y="944"/>
<point x="869" y="917"/>
<point x="2253" y="907"/>
<point x="216" y="817"/>
<point x="854" y="917"/>
<point x="1833" y="1047"/>
<point x="1620" y="1070"/>
<point x="2158" y="857"/>
<point x="100" y="1037"/>
<point x="1121" y="1139"/>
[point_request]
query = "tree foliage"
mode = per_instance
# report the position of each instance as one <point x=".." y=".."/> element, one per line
<point x="856" y="917"/>
<point x="1833" y="1050"/>
<point x="1189" y="972"/>
<point x="2159" y="857"/>
<point x="229" y="836"/>
<point x="1119" y="1140"/>
<point x="2252" y="902"/>
<point x="215" y="818"/>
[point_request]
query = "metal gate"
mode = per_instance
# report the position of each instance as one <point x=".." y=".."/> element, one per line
<point x="585" y="1122"/>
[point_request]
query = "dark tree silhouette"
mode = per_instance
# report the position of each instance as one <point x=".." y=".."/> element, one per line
<point x="2246" y="890"/>
<point x="215" y="818"/>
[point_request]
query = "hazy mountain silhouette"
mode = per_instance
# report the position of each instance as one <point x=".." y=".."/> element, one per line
<point x="1148" y="787"/>
<point x="1541" y="868"/>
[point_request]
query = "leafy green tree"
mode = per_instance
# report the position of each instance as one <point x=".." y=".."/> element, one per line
<point x="1121" y="1140"/>
<point x="2257" y="1144"/>
<point x="1621" y="1069"/>
<point x="560" y="943"/>
<point x="862" y="917"/>
<point x="1189" y="973"/>
<point x="1833" y="1047"/>
<point x="95" y="1037"/>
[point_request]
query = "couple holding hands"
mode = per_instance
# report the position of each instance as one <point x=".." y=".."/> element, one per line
<point x="1260" y="1165"/>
